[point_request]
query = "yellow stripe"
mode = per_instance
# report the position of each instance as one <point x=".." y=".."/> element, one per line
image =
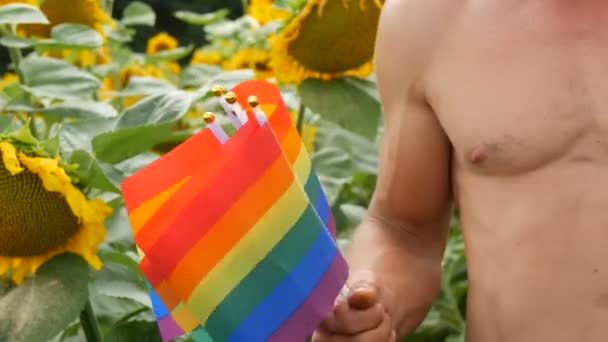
<point x="302" y="166"/>
<point x="268" y="109"/>
<point x="245" y="255"/>
<point x="142" y="214"/>
<point x="184" y="318"/>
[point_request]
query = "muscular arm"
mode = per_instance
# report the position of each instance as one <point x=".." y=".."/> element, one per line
<point x="403" y="238"/>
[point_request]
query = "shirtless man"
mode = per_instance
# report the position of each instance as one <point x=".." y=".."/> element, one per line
<point x="499" y="108"/>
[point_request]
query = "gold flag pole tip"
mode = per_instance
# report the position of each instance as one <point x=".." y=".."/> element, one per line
<point x="215" y="128"/>
<point x="218" y="91"/>
<point x="255" y="106"/>
<point x="209" y="118"/>
<point x="237" y="110"/>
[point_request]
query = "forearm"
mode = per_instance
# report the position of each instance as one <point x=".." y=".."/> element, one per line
<point x="406" y="265"/>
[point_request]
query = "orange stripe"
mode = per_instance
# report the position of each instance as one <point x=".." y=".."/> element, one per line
<point x="291" y="145"/>
<point x="231" y="228"/>
<point x="142" y="214"/>
<point x="166" y="293"/>
<point x="162" y="219"/>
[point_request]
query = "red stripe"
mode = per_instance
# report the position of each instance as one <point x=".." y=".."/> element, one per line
<point x="147" y="236"/>
<point x="212" y="203"/>
<point x="267" y="93"/>
<point x="173" y="166"/>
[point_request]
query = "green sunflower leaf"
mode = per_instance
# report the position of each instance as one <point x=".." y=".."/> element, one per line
<point x="7" y="123"/>
<point x="90" y="173"/>
<point x="194" y="18"/>
<point x="138" y="14"/>
<point x="80" y="110"/>
<point x="72" y="36"/>
<point x="116" y="146"/>
<point x="21" y="14"/>
<point x="351" y="103"/>
<point x="197" y="74"/>
<point x="46" y="303"/>
<point x="134" y="331"/>
<point x="144" y="86"/>
<point x="342" y="155"/>
<point x="141" y="127"/>
<point x="12" y="41"/>
<point x="54" y="78"/>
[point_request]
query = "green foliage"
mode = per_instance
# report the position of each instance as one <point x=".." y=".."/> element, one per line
<point x="57" y="79"/>
<point x="41" y="307"/>
<point x="138" y="13"/>
<point x="351" y="103"/>
<point x="21" y="14"/>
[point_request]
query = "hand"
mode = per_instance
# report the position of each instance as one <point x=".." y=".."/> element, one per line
<point x="358" y="316"/>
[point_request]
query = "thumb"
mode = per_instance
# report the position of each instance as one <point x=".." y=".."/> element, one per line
<point x="363" y="296"/>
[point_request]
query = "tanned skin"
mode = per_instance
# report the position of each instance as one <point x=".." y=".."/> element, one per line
<point x="498" y="108"/>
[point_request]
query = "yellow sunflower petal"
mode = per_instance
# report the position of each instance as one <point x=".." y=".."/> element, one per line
<point x="207" y="57"/>
<point x="251" y="58"/>
<point x="264" y="12"/>
<point x="28" y="2"/>
<point x="85" y="12"/>
<point x="65" y="220"/>
<point x="161" y="42"/>
<point x="9" y="157"/>
<point x="328" y="39"/>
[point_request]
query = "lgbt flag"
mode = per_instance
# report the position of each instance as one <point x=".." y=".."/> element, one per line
<point x="237" y="233"/>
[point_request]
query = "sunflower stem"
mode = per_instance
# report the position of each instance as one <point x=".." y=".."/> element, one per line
<point x="89" y="323"/>
<point x="16" y="57"/>
<point x="301" y="114"/>
<point x="245" y="4"/>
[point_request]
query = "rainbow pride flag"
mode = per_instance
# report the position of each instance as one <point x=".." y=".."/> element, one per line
<point x="237" y="236"/>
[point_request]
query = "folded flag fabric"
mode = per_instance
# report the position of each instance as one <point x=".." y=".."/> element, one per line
<point x="237" y="235"/>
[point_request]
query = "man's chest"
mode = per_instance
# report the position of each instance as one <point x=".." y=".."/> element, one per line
<point x="515" y="95"/>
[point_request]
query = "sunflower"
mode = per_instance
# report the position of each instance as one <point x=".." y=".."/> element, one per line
<point x="207" y="57"/>
<point x="42" y="214"/>
<point x="328" y="39"/>
<point x="27" y="2"/>
<point x="264" y="12"/>
<point x="8" y="79"/>
<point x="85" y="12"/>
<point x="161" y="42"/>
<point x="251" y="58"/>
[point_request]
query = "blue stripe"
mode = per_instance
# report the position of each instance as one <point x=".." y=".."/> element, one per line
<point x="323" y="208"/>
<point x="289" y="294"/>
<point x="159" y="308"/>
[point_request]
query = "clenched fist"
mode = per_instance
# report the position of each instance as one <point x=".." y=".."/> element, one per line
<point x="358" y="316"/>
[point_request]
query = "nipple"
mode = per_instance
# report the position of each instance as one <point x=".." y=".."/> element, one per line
<point x="479" y="154"/>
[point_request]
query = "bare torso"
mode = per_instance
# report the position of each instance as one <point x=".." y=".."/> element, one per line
<point x="521" y="90"/>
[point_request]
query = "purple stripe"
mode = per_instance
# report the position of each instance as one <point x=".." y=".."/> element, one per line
<point x="331" y="226"/>
<point x="319" y="304"/>
<point x="169" y="330"/>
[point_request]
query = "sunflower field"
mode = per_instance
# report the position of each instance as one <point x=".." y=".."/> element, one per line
<point x="82" y="109"/>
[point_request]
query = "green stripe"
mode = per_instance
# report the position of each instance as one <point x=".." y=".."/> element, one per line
<point x="313" y="187"/>
<point x="268" y="274"/>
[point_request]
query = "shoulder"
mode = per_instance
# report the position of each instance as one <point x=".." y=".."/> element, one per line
<point x="409" y="33"/>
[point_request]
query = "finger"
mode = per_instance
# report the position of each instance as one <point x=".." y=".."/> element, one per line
<point x="393" y="337"/>
<point x="348" y="321"/>
<point x="363" y="297"/>
<point x="381" y="334"/>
